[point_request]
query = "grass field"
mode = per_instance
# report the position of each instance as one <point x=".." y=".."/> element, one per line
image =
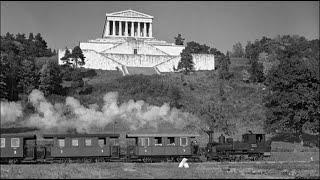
<point x="165" y="170"/>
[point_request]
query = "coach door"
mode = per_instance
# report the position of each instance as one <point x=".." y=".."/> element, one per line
<point x="115" y="148"/>
<point x="29" y="148"/>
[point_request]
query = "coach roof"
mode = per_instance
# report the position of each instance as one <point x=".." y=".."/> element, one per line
<point x="162" y="135"/>
<point x="81" y="135"/>
<point x="23" y="135"/>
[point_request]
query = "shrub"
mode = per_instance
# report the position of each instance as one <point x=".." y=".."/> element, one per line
<point x="89" y="73"/>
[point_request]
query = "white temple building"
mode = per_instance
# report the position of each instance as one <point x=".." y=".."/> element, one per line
<point x="127" y="44"/>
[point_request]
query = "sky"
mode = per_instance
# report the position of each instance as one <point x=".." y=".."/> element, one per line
<point x="214" y="23"/>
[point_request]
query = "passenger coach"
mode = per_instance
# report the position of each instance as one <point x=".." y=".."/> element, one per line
<point x="82" y="147"/>
<point x="17" y="147"/>
<point x="167" y="147"/>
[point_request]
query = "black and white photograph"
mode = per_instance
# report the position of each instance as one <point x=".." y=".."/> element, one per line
<point x="159" y="90"/>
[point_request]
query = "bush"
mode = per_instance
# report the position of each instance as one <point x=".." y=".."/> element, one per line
<point x="85" y="90"/>
<point x="76" y="84"/>
<point x="89" y="73"/>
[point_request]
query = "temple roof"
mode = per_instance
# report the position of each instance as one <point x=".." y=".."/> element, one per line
<point x="129" y="13"/>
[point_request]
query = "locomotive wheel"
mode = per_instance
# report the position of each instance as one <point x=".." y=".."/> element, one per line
<point x="238" y="158"/>
<point x="87" y="160"/>
<point x="170" y="159"/>
<point x="67" y="160"/>
<point x="146" y="159"/>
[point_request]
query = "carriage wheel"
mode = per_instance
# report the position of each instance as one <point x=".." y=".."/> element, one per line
<point x="11" y="161"/>
<point x="67" y="160"/>
<point x="145" y="159"/>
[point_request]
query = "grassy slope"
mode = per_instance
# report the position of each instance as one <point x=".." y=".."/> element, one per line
<point x="244" y="100"/>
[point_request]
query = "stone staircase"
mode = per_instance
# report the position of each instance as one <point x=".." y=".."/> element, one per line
<point x="130" y="70"/>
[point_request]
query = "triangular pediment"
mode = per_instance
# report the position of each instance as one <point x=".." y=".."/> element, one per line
<point x="129" y="13"/>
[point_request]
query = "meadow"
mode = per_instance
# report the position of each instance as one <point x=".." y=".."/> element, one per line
<point x="207" y="170"/>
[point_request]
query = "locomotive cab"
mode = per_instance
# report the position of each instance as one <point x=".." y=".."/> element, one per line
<point x="253" y="138"/>
<point x="257" y="143"/>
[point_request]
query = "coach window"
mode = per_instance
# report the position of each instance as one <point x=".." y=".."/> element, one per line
<point x="158" y="141"/>
<point x="259" y="137"/>
<point x="15" y="142"/>
<point x="183" y="141"/>
<point x="61" y="142"/>
<point x="245" y="138"/>
<point x="75" y="142"/>
<point x="144" y="141"/>
<point x="3" y="142"/>
<point x="171" y="141"/>
<point x="88" y="142"/>
<point x="114" y="141"/>
<point x="102" y="142"/>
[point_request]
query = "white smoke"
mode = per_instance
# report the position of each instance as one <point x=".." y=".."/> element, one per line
<point x="10" y="112"/>
<point x="72" y="114"/>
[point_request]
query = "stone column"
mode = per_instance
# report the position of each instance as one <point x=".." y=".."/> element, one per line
<point x="114" y="28"/>
<point x="144" y="29"/>
<point x="150" y="30"/>
<point x="126" y="29"/>
<point x="107" y="31"/>
<point x="120" y="28"/>
<point x="138" y="29"/>
<point x="132" y="28"/>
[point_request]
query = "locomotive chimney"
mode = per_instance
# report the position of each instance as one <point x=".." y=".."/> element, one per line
<point x="210" y="133"/>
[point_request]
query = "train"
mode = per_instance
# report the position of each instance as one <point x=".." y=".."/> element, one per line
<point x="147" y="148"/>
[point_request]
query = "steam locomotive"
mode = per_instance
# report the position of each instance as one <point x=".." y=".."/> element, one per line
<point x="67" y="148"/>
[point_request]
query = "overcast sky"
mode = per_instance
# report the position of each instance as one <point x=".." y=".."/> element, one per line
<point x="217" y="24"/>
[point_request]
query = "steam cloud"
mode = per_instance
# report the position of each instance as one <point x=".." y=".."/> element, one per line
<point x="71" y="114"/>
<point x="10" y="112"/>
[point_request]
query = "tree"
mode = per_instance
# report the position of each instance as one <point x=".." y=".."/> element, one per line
<point x="28" y="79"/>
<point x="4" y="66"/>
<point x="256" y="68"/>
<point x="256" y="71"/>
<point x="212" y="117"/>
<point x="179" y="40"/>
<point x="245" y="76"/>
<point x="196" y="48"/>
<point x="175" y="94"/>
<point x="50" y="78"/>
<point x="77" y="56"/>
<point x="294" y="98"/>
<point x="41" y="45"/>
<point x="237" y="50"/>
<point x="218" y="57"/>
<point x="186" y="63"/>
<point x="21" y="38"/>
<point x="9" y="37"/>
<point x="12" y="76"/>
<point x="224" y="68"/>
<point x="31" y="38"/>
<point x="252" y="50"/>
<point x="66" y="57"/>
<point x="54" y="52"/>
